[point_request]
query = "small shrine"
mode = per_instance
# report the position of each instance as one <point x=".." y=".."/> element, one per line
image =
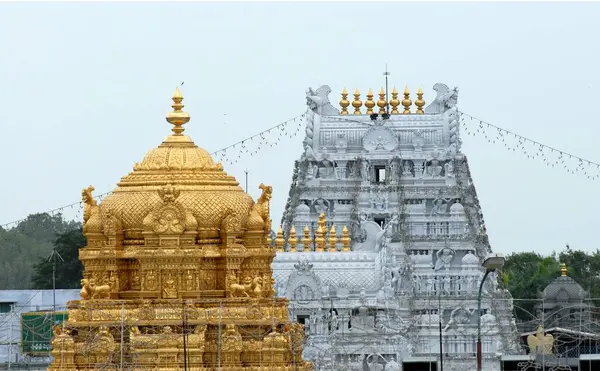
<point x="177" y="272"/>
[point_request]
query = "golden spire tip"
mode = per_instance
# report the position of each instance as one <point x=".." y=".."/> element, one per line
<point x="177" y="117"/>
<point x="563" y="269"/>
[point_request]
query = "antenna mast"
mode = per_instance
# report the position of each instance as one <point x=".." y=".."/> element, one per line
<point x="246" y="171"/>
<point x="53" y="257"/>
<point x="386" y="74"/>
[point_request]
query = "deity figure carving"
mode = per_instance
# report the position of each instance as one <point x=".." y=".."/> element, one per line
<point x="136" y="282"/>
<point x="384" y="237"/>
<point x="378" y="200"/>
<point x="449" y="169"/>
<point x="189" y="281"/>
<point x="321" y="206"/>
<point x="433" y="170"/>
<point x="430" y="285"/>
<point x="333" y="322"/>
<point x="232" y="340"/>
<point x="470" y="283"/>
<point x="444" y="258"/>
<point x="170" y="287"/>
<point x="416" y="281"/>
<point x="440" y="205"/>
<point x="341" y="142"/>
<point x="150" y="281"/>
<point x="303" y="294"/>
<point x="446" y="283"/>
<point x="365" y="170"/>
<point x="104" y="341"/>
<point x="407" y="168"/>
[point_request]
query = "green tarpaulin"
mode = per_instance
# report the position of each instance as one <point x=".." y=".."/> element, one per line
<point x="36" y="330"/>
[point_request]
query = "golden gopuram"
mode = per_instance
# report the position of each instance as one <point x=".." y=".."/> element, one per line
<point x="177" y="272"/>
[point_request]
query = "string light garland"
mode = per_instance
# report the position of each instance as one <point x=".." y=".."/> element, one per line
<point x="472" y="126"/>
<point x="550" y="156"/>
<point x="289" y="128"/>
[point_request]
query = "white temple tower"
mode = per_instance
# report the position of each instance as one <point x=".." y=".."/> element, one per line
<point x="398" y="185"/>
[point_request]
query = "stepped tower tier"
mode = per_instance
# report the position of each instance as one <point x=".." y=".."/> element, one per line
<point x="177" y="272"/>
<point x="389" y="178"/>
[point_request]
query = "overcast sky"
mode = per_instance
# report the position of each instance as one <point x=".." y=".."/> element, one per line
<point x="85" y="88"/>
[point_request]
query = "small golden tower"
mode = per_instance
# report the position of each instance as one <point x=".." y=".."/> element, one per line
<point x="292" y="239"/>
<point x="382" y="103"/>
<point x="344" y="103"/>
<point x="320" y="235"/>
<point x="406" y="102"/>
<point x="279" y="241"/>
<point x="333" y="240"/>
<point x="357" y="103"/>
<point x="395" y="102"/>
<point x="370" y="103"/>
<point x="420" y="102"/>
<point x="306" y="240"/>
<point x="178" y="240"/>
<point x="345" y="240"/>
<point x="563" y="270"/>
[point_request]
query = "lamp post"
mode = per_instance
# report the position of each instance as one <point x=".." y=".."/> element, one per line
<point x="491" y="263"/>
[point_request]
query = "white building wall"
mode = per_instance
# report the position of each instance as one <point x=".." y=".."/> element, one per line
<point x="23" y="301"/>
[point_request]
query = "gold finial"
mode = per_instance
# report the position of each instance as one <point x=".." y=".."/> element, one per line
<point x="177" y="117"/>
<point x="345" y="240"/>
<point x="382" y="103"/>
<point x="306" y="240"/>
<point x="292" y="240"/>
<point x="333" y="239"/>
<point x="563" y="270"/>
<point x="420" y="102"/>
<point x="279" y="241"/>
<point x="370" y="103"/>
<point x="320" y="238"/>
<point x="395" y="102"/>
<point x="357" y="103"/>
<point x="344" y="103"/>
<point x="406" y="102"/>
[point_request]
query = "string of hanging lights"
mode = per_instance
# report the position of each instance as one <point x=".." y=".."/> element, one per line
<point x="550" y="156"/>
<point x="472" y="126"/>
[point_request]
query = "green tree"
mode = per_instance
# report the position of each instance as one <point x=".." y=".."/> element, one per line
<point x="69" y="271"/>
<point x="22" y="246"/>
<point x="526" y="275"/>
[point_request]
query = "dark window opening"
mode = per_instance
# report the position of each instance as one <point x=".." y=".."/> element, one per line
<point x="380" y="174"/>
<point x="302" y="319"/>
<point x="5" y="307"/>
<point x="379" y="221"/>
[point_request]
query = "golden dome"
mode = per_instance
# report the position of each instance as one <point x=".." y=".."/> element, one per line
<point x="203" y="189"/>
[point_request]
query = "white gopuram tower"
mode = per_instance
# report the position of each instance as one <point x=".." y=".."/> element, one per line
<point x="382" y="239"/>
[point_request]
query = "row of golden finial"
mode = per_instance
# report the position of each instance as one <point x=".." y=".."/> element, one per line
<point x="322" y="243"/>
<point x="382" y="103"/>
